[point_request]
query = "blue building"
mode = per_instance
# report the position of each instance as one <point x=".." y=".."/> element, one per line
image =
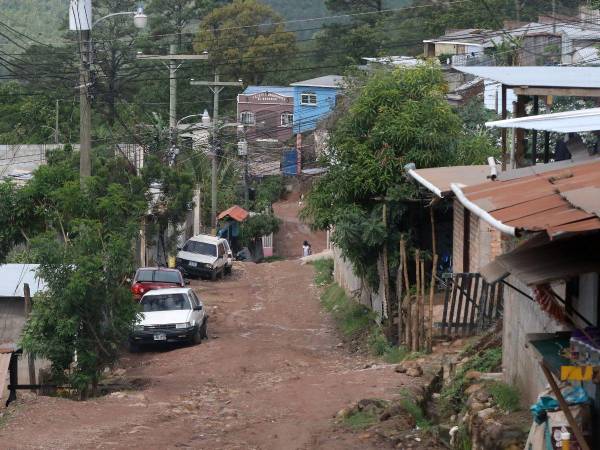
<point x="314" y="99"/>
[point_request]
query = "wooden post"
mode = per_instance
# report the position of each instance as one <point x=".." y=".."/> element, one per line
<point x="386" y="281"/>
<point x="13" y="376"/>
<point x="536" y="111"/>
<point x="503" y="131"/>
<point x="519" y="132"/>
<point x="416" y="302"/>
<point x="565" y="408"/>
<point x="422" y="337"/>
<point x="431" y="294"/>
<point x="30" y="358"/>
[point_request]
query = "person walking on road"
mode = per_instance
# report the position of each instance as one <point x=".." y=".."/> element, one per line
<point x="306" y="249"/>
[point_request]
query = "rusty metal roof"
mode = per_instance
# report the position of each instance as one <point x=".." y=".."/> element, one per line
<point x="560" y="201"/>
<point x="540" y="261"/>
<point x="438" y="179"/>
<point x="236" y="212"/>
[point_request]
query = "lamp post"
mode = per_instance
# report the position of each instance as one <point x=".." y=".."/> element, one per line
<point x="80" y="19"/>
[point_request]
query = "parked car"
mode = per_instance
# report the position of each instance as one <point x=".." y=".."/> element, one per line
<point x="150" y="278"/>
<point x="205" y="255"/>
<point x="170" y="315"/>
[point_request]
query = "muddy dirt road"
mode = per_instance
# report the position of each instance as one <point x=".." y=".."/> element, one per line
<point x="270" y="377"/>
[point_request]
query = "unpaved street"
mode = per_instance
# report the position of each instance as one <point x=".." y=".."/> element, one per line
<point x="270" y="377"/>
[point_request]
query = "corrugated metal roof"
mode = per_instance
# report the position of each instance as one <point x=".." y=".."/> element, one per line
<point x="542" y="76"/>
<point x="330" y="81"/>
<point x="544" y="262"/>
<point x="438" y="179"/>
<point x="563" y="122"/>
<point x="286" y="91"/>
<point x="236" y="212"/>
<point x="558" y="201"/>
<point x="13" y="276"/>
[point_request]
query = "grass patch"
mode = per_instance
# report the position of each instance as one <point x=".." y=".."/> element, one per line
<point x="409" y="405"/>
<point x="452" y="396"/>
<point x="360" y="420"/>
<point x="274" y="258"/>
<point x="505" y="396"/>
<point x="324" y="272"/>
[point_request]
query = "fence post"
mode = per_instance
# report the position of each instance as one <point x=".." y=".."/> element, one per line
<point x="30" y="358"/>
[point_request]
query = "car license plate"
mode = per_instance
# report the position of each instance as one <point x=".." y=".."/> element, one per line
<point x="160" y="337"/>
<point x="193" y="263"/>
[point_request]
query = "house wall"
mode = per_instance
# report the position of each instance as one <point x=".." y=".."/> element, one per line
<point x="485" y="243"/>
<point x="267" y="108"/>
<point x="523" y="316"/>
<point x="307" y="116"/>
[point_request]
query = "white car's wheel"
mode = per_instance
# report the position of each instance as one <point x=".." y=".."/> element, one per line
<point x="204" y="329"/>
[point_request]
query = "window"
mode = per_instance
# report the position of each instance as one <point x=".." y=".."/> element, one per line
<point x="287" y="119"/>
<point x="308" y="98"/>
<point x="194" y="299"/>
<point x="221" y="250"/>
<point x="165" y="302"/>
<point x="160" y="276"/>
<point x="247" y="118"/>
<point x="202" y="248"/>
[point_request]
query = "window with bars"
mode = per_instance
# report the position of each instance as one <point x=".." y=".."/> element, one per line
<point x="247" y="118"/>
<point x="308" y="98"/>
<point x="287" y="119"/>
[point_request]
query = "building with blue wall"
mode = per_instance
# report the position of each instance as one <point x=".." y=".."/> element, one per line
<point x="314" y="99"/>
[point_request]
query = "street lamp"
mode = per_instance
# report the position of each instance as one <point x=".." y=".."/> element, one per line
<point x="80" y="19"/>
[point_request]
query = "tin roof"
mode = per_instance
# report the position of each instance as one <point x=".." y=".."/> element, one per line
<point x="286" y="91"/>
<point x="563" y="122"/>
<point x="438" y="179"/>
<point x="236" y="212"/>
<point x="559" y="202"/>
<point x="538" y="76"/>
<point x="328" y="81"/>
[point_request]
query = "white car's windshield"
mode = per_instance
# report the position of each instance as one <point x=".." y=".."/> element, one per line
<point x="202" y="248"/>
<point x="165" y="302"/>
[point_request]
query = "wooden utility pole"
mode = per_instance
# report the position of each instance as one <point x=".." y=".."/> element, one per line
<point x="85" y="108"/>
<point x="28" y="308"/>
<point x="216" y="87"/>
<point x="386" y="279"/>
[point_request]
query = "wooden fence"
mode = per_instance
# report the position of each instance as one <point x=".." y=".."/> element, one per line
<point x="470" y="304"/>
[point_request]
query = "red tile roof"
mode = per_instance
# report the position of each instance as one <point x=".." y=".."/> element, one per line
<point x="560" y="201"/>
<point x="236" y="212"/>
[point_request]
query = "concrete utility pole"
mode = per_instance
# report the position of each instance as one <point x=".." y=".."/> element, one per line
<point x="216" y="87"/>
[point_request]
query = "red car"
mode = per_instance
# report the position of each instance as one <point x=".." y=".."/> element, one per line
<point x="151" y="278"/>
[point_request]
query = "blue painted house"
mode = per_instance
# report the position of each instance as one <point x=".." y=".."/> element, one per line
<point x="314" y="99"/>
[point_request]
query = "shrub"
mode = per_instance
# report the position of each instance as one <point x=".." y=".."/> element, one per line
<point x="505" y="396"/>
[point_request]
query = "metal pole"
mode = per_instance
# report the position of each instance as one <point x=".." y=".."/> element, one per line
<point x="213" y="179"/>
<point x="246" y="193"/>
<point x="536" y="110"/>
<point x="546" y="147"/>
<point x="85" y="109"/>
<point x="56" y="125"/>
<point x="503" y="132"/>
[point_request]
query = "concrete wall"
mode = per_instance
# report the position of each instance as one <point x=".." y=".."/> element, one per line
<point x="523" y="316"/>
<point x="354" y="286"/>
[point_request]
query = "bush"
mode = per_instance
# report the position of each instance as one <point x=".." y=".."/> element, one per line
<point x="359" y="420"/>
<point x="324" y="272"/>
<point x="505" y="396"/>
<point x="257" y="226"/>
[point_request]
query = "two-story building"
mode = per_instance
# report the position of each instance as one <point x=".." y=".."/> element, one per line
<point x="267" y="113"/>
<point x="314" y="100"/>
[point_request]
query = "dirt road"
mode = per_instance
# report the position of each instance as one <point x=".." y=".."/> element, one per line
<point x="270" y="377"/>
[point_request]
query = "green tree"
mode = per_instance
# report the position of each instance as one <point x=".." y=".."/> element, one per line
<point x="245" y="40"/>
<point x="397" y="117"/>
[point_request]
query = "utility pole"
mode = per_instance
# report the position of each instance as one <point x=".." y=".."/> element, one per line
<point x="243" y="152"/>
<point x="216" y="87"/>
<point x="56" y="125"/>
<point x="85" y="108"/>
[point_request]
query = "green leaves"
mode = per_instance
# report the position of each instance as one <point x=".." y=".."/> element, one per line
<point x="257" y="226"/>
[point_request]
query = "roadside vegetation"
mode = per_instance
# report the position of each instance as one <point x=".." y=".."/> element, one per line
<point x="356" y="323"/>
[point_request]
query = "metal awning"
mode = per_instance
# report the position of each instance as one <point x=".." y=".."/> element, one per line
<point x="539" y="260"/>
<point x="542" y="80"/>
<point x="559" y="202"/>
<point x="438" y="179"/>
<point x="563" y="122"/>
